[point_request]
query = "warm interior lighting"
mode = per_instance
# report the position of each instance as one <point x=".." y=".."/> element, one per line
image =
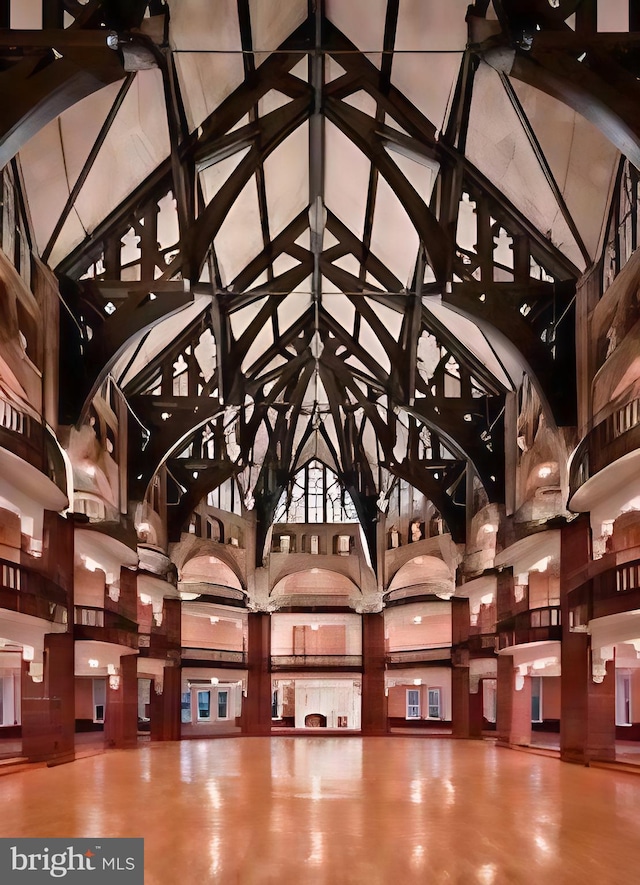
<point x="93" y="663"/>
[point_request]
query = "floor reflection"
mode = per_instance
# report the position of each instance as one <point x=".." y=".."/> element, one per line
<point x="340" y="811"/>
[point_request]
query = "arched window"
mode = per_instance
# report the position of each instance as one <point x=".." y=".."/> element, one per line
<point x="315" y="495"/>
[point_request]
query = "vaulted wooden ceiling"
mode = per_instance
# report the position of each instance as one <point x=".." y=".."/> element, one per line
<point x="335" y="229"/>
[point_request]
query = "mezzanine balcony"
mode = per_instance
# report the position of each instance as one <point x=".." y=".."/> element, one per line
<point x="410" y="656"/>
<point x="100" y="625"/>
<point x="537" y="625"/>
<point x="219" y="657"/>
<point x="317" y="663"/>
<point x="618" y="435"/>
<point x="24" y="590"/>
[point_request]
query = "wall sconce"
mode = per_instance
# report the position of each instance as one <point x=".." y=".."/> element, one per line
<point x="417" y="681"/>
<point x="93" y="663"/>
<point x="114" y="682"/>
<point x="214" y="620"/>
<point x="112" y="670"/>
<point x="28" y="652"/>
<point x="214" y="680"/>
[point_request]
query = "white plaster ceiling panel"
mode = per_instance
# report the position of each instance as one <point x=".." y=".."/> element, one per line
<point x="291" y="309"/>
<point x="80" y="125"/>
<point x="582" y="160"/>
<point x="499" y="147"/>
<point x="137" y="142"/>
<point x="240" y="237"/>
<point x="213" y="177"/>
<point x="613" y="15"/>
<point x="420" y="175"/>
<point x="346" y="179"/>
<point x="362" y="101"/>
<point x="394" y="239"/>
<point x="362" y="21"/>
<point x="349" y="263"/>
<point x="271" y="102"/>
<point x="206" y="79"/>
<point x="341" y="309"/>
<point x="263" y="341"/>
<point x="286" y="175"/>
<point x="158" y="339"/>
<point x="371" y="344"/>
<point x="504" y="368"/>
<point x="42" y="161"/>
<point x="272" y="21"/>
<point x="431" y="26"/>
<point x="201" y="25"/>
<point x="391" y="319"/>
<point x="329" y="288"/>
<point x="332" y="69"/>
<point x="205" y="82"/>
<point x="283" y="263"/>
<point x="240" y="319"/>
<point x="427" y="81"/>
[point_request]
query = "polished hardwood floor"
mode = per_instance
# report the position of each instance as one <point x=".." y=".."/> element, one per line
<point x="332" y="811"/>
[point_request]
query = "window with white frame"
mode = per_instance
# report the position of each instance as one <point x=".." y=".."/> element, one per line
<point x="434" y="703"/>
<point x="99" y="689"/>
<point x="623" y="697"/>
<point x="204" y="706"/>
<point x="223" y="704"/>
<point x="536" y="698"/>
<point x="413" y="703"/>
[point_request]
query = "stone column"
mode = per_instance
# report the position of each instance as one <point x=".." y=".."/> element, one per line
<point x="256" y="707"/>
<point x="121" y="711"/>
<point x="48" y="707"/>
<point x="514" y="704"/>
<point x="374" y="703"/>
<point x="460" y="702"/>
<point x="587" y="724"/>
<point x="165" y="706"/>
<point x="460" y="621"/>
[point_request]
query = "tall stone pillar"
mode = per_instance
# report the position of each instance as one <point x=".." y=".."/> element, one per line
<point x="121" y="712"/>
<point x="374" y="702"/>
<point x="165" y="706"/>
<point x="460" y="621"/>
<point x="48" y="707"/>
<point x="514" y="704"/>
<point x="587" y="724"/>
<point x="256" y="709"/>
<point x="476" y="710"/>
<point x="460" y="702"/>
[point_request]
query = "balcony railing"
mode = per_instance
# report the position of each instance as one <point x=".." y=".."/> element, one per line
<point x="24" y="590"/>
<point x="214" y="655"/>
<point x="483" y="643"/>
<point x="102" y="625"/>
<point x="419" y="655"/>
<point x="610" y="440"/>
<point x="611" y="591"/>
<point x="316" y="662"/>
<point x="537" y="625"/>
